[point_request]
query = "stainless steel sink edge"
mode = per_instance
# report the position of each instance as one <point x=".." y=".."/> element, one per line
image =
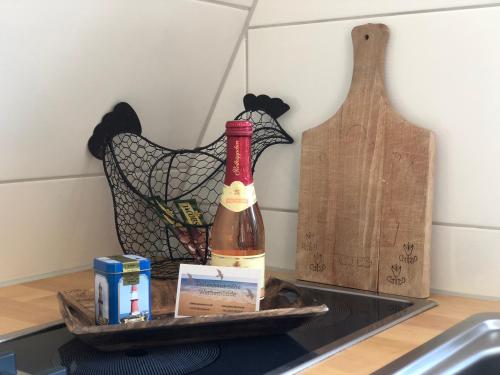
<point x="452" y="351"/>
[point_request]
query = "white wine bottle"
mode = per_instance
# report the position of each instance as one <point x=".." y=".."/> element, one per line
<point x="237" y="237"/>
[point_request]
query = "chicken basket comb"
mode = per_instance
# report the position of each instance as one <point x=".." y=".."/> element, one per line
<point x="165" y="199"/>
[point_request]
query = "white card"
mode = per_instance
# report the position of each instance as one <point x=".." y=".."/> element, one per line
<point x="209" y="290"/>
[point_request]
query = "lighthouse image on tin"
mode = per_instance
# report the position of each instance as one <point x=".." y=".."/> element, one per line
<point x="134" y="301"/>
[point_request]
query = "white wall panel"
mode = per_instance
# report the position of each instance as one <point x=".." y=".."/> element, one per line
<point x="245" y="3"/>
<point x="285" y="11"/>
<point x="49" y="226"/>
<point x="442" y="73"/>
<point x="64" y="64"/>
<point x="464" y="261"/>
<point x="230" y="101"/>
<point x="281" y="238"/>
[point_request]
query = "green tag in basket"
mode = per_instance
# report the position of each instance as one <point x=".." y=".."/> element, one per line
<point x="168" y="215"/>
<point x="191" y="214"/>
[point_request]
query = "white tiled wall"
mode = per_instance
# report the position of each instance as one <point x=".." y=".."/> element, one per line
<point x="465" y="260"/>
<point x="230" y="102"/>
<point x="63" y="65"/>
<point x="442" y="73"/>
<point x="273" y="12"/>
<point x="243" y="3"/>
<point x="54" y="225"/>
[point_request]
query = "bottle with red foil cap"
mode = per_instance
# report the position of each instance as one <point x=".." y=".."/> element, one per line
<point x="237" y="237"/>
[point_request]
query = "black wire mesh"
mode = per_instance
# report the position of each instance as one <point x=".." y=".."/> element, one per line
<point x="147" y="180"/>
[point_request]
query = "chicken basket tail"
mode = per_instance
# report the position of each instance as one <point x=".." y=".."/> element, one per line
<point x="153" y="187"/>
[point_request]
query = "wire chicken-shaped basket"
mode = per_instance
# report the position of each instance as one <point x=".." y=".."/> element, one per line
<point x="165" y="199"/>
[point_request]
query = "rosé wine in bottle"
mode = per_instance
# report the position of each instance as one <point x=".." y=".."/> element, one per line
<point x="237" y="238"/>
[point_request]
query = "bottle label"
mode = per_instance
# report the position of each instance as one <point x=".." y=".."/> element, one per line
<point x="244" y="261"/>
<point x="238" y="162"/>
<point x="238" y="197"/>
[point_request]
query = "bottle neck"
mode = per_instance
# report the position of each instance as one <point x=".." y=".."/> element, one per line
<point x="238" y="162"/>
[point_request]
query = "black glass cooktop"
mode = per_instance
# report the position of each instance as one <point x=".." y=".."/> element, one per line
<point x="352" y="316"/>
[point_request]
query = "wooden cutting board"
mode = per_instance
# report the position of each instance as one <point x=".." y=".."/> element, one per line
<point x="365" y="198"/>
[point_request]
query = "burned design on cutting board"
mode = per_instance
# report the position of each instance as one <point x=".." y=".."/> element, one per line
<point x="396" y="277"/>
<point x="353" y="261"/>
<point x="407" y="255"/>
<point x="318" y="264"/>
<point x="344" y="260"/>
<point x="364" y="262"/>
<point x="309" y="244"/>
<point x="354" y="132"/>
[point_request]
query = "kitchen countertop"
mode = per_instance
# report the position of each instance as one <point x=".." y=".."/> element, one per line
<point x="33" y="303"/>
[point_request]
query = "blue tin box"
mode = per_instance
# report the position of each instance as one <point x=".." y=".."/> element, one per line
<point x="122" y="289"/>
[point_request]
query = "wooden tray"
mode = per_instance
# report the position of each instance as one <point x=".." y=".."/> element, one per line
<point x="284" y="308"/>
